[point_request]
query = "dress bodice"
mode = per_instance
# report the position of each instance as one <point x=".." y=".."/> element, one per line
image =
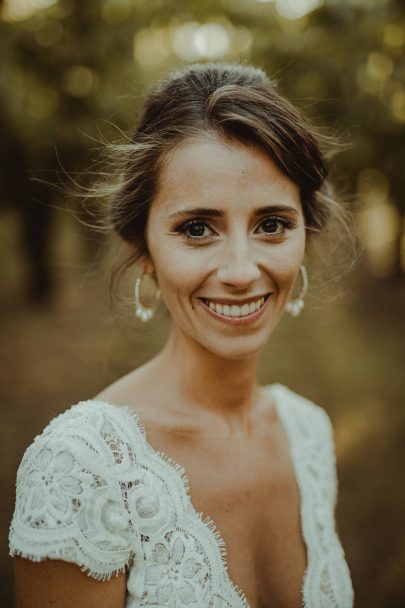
<point x="91" y="490"/>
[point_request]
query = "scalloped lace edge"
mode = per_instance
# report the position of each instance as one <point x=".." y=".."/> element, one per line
<point x="99" y="576"/>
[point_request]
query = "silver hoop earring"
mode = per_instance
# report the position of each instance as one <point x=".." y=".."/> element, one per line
<point x="144" y="313"/>
<point x="295" y="305"/>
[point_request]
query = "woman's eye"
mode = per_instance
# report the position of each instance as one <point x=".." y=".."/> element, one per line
<point x="275" y="225"/>
<point x="195" y="229"/>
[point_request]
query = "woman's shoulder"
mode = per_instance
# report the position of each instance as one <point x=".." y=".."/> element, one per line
<point x="310" y="429"/>
<point x="303" y="407"/>
<point x="70" y="494"/>
<point x="294" y="396"/>
<point x="94" y="432"/>
<point x="87" y="415"/>
<point x="131" y="391"/>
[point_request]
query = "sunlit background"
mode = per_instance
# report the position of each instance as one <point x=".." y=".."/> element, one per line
<point x="72" y="76"/>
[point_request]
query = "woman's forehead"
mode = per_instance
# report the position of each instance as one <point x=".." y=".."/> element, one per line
<point x="209" y="168"/>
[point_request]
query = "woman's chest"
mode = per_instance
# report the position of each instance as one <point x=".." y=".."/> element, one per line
<point x="255" y="505"/>
<point x="249" y="492"/>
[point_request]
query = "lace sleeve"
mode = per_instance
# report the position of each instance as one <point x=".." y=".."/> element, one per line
<point x="70" y="497"/>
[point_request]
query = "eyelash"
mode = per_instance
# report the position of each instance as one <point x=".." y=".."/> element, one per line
<point x="182" y="229"/>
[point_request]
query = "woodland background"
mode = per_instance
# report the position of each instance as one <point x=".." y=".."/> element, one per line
<point x="72" y="75"/>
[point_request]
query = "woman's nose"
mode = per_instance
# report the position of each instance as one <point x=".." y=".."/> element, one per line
<point x="238" y="267"/>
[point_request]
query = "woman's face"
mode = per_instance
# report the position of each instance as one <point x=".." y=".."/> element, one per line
<point x="226" y="238"/>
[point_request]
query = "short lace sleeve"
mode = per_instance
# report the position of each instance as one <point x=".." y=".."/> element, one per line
<point x="71" y="495"/>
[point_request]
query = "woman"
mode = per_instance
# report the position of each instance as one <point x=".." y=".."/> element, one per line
<point x="222" y="191"/>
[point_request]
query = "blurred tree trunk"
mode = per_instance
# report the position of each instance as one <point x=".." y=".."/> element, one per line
<point x="31" y="202"/>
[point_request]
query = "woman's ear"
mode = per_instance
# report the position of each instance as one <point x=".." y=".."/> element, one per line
<point x="144" y="261"/>
<point x="147" y="265"/>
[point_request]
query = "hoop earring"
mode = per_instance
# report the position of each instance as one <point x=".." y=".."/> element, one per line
<point x="295" y="305"/>
<point x="144" y="313"/>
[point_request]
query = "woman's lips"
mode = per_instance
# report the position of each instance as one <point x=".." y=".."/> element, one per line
<point x="245" y="318"/>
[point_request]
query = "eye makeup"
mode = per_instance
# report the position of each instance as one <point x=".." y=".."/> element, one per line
<point x="200" y="230"/>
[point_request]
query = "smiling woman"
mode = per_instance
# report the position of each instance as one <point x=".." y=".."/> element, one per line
<point x="185" y="479"/>
<point x="237" y="246"/>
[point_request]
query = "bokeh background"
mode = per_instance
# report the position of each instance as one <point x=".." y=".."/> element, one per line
<point x="72" y="76"/>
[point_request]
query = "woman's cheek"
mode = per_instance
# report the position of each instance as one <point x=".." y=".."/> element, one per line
<point x="179" y="270"/>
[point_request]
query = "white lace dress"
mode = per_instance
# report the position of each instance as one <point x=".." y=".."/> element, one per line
<point x="91" y="490"/>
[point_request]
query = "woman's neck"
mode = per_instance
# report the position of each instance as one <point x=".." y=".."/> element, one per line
<point x="197" y="378"/>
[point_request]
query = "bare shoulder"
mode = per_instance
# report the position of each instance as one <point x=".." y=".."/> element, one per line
<point x="141" y="393"/>
<point x="63" y="585"/>
<point x="147" y="396"/>
<point x="131" y="390"/>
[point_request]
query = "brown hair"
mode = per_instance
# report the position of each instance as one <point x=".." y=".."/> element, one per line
<point x="232" y="101"/>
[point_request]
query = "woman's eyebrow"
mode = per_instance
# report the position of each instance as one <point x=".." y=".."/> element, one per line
<point x="269" y="209"/>
<point x="210" y="212"/>
<point x="204" y="211"/>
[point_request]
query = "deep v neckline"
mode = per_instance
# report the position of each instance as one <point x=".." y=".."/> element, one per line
<point x="210" y="526"/>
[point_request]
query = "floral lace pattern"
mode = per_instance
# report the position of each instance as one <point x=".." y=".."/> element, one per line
<point x="53" y="485"/>
<point x="91" y="490"/>
<point x="172" y="573"/>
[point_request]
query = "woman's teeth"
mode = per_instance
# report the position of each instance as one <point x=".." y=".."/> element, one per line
<point x="234" y="310"/>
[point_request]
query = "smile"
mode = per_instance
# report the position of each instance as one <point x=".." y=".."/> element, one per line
<point x="244" y="312"/>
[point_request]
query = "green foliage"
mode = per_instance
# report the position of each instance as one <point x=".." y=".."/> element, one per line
<point x="74" y="66"/>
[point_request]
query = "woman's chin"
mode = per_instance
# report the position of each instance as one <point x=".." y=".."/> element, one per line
<point x="234" y="349"/>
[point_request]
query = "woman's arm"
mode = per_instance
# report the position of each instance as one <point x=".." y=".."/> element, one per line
<point x="63" y="585"/>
